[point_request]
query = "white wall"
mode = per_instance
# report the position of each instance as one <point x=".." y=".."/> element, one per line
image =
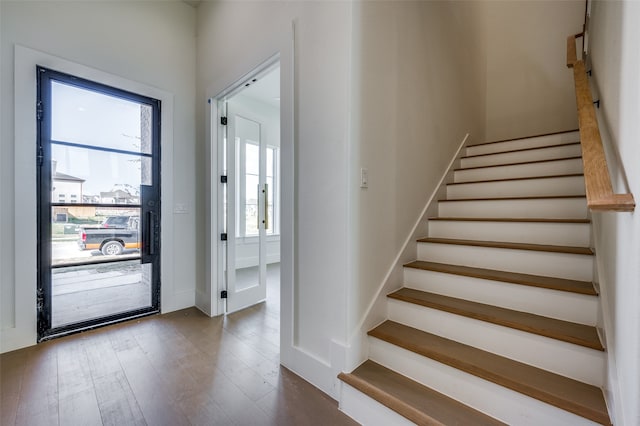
<point x="234" y="38"/>
<point x="529" y="89"/>
<point x="419" y="88"/>
<point x="614" y="44"/>
<point x="147" y="42"/>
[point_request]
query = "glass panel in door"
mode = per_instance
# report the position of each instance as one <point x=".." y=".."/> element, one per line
<point x="246" y="260"/>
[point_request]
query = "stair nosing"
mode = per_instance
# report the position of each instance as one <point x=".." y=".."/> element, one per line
<point x="583" y="287"/>
<point x="416" y="414"/>
<point x="525" y="137"/>
<point x="511" y="246"/>
<point x="519" y="163"/>
<point x="500" y="378"/>
<point x="517" y="179"/>
<point x="498" y="219"/>
<point x="499" y="316"/>
<point x="519" y="150"/>
<point x="546" y="197"/>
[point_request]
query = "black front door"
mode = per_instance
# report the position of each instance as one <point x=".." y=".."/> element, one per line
<point x="98" y="159"/>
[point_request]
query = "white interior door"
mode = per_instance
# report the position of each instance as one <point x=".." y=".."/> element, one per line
<point x="247" y="216"/>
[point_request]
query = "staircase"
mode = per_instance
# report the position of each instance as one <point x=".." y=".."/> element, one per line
<point x="496" y="320"/>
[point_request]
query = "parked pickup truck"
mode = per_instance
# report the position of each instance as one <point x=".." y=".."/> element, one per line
<point x="111" y="241"/>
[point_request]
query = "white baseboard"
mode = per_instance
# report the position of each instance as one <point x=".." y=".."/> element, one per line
<point x="12" y="339"/>
<point x="181" y="300"/>
<point x="203" y="303"/>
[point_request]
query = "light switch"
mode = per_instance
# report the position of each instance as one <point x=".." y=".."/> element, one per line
<point x="180" y="208"/>
<point x="364" y="178"/>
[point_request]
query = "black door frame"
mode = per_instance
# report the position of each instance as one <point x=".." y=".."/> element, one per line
<point x="149" y="204"/>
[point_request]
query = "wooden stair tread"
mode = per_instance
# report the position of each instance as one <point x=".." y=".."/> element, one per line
<point x="568" y="394"/>
<point x="416" y="402"/>
<point x="508" y="245"/>
<point x="516" y="179"/>
<point x="524" y="137"/>
<point x="520" y="150"/>
<point x="502" y="219"/>
<point x="575" y="157"/>
<point x="552" y="283"/>
<point x="546" y="197"/>
<point x="570" y="332"/>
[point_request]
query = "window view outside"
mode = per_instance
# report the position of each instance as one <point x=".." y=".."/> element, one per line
<point x="251" y="193"/>
<point x="100" y="155"/>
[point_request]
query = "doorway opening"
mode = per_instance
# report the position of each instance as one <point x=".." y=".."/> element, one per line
<point x="98" y="180"/>
<point x="249" y="199"/>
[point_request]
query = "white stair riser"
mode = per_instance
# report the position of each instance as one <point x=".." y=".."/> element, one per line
<point x="546" y="168"/>
<point x="368" y="411"/>
<point x="562" y="305"/>
<point x="563" y="234"/>
<point x="549" y="264"/>
<point x="566" y="359"/>
<point x="522" y="156"/>
<point x="535" y="142"/>
<point x="496" y="401"/>
<point x="546" y="187"/>
<point x="544" y="208"/>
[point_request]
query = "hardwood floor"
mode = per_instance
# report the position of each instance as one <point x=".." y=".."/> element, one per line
<point x="182" y="368"/>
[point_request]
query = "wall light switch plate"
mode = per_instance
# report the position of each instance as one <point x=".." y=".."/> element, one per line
<point x="180" y="208"/>
<point x="364" y="178"/>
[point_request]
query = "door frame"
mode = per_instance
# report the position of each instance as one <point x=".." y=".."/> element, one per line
<point x="46" y="78"/>
<point x="218" y="110"/>
<point x="24" y="330"/>
<point x="207" y="299"/>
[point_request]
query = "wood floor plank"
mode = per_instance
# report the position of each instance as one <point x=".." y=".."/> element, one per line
<point x="509" y="245"/>
<point x="282" y="406"/>
<point x="182" y="368"/>
<point x="116" y="401"/>
<point x="570" y="332"/>
<point x="567" y="394"/>
<point x="8" y="408"/>
<point x="79" y="409"/>
<point x="560" y="284"/>
<point x="12" y="367"/>
<point x="38" y="403"/>
<point x="416" y="402"/>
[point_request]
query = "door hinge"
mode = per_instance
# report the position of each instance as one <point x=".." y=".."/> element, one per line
<point x="39" y="110"/>
<point x="223" y="236"/>
<point x="223" y="294"/>
<point x="223" y="121"/>
<point x="223" y="179"/>
<point x="39" y="301"/>
<point x="40" y="156"/>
